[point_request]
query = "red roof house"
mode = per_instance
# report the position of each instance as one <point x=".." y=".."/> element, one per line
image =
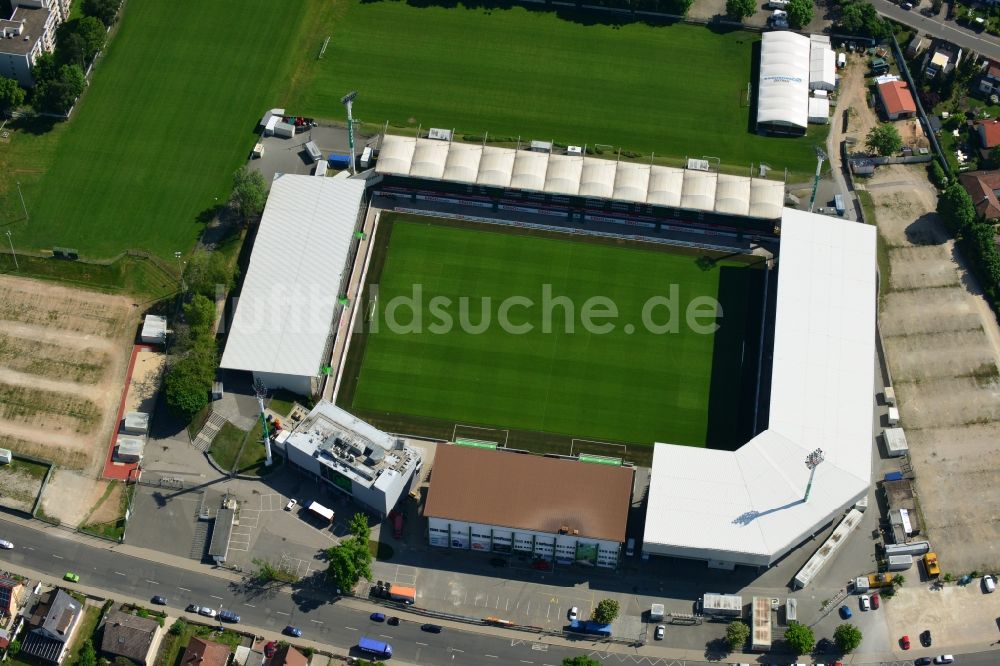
<point x="897" y="100"/>
<point x="983" y="187"/>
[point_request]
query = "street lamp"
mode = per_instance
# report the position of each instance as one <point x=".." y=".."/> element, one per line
<point x="348" y="100"/>
<point x="20" y="194"/>
<point x="812" y="462"/>
<point x="9" y="240"/>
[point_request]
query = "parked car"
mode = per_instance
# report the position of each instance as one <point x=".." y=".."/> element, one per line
<point x="394" y="621"/>
<point x="875" y="601"/>
<point x="944" y="659"/>
<point x="291" y="504"/>
<point x="660" y="630"/>
<point x="922" y="661"/>
<point x="377" y="617"/>
<point x="229" y="616"/>
<point x="207" y="612"/>
<point x="192" y="608"/>
<point x="71" y="577"/>
<point x="989" y="584"/>
<point x="270" y="648"/>
<point x="845" y="613"/>
<point x="6" y="545"/>
<point x="541" y="565"/>
<point x="925" y="638"/>
<point x="292" y="631"/>
<point x="573" y="613"/>
<point x="431" y="628"/>
<point x="904" y="642"/>
<point x="865" y="602"/>
<point x="159" y="601"/>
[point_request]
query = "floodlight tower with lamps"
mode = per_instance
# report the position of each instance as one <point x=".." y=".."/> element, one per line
<point x="820" y="158"/>
<point x="812" y="462"/>
<point x="261" y="392"/>
<point x="348" y="100"/>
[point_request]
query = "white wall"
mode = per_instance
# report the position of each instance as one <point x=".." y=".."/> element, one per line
<point x="294" y="383"/>
<point x="475" y="536"/>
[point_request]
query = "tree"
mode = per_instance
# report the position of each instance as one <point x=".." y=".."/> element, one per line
<point x="104" y="10"/>
<point x="884" y="139"/>
<point x="848" y="637"/>
<point x="606" y="611"/>
<point x="14" y="648"/>
<point x="72" y="50"/>
<point x="11" y="95"/>
<point x="800" y="12"/>
<point x="800" y="638"/>
<point x="580" y="660"/>
<point x="188" y="381"/>
<point x="249" y="193"/>
<point x="205" y="271"/>
<point x="737" y="634"/>
<point x="87" y="656"/>
<point x="860" y="18"/>
<point x="199" y="313"/>
<point x="740" y="9"/>
<point x="268" y="572"/>
<point x="352" y="559"/>
<point x="46" y="68"/>
<point x="90" y="32"/>
<point x="937" y="175"/>
<point x="994" y="153"/>
<point x="58" y="94"/>
<point x="178" y="627"/>
<point x="956" y="208"/>
<point x="359" y="527"/>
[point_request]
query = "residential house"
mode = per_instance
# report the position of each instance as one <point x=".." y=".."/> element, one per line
<point x="941" y="60"/>
<point x="200" y="652"/>
<point x="917" y="44"/>
<point x="52" y="624"/>
<point x="989" y="135"/>
<point x="129" y="636"/>
<point x="288" y="656"/>
<point x="984" y="188"/>
<point x="897" y="102"/>
<point x="13" y="594"/>
<point x="989" y="80"/>
<point x="27" y="34"/>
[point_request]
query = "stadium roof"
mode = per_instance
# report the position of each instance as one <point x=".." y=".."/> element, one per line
<point x="576" y="175"/>
<point x="746" y="506"/>
<point x="783" y="90"/>
<point x="516" y="490"/>
<point x="290" y="292"/>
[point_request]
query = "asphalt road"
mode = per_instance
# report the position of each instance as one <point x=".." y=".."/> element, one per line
<point x="322" y="621"/>
<point x="982" y="43"/>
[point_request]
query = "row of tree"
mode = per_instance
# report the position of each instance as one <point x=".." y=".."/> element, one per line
<point x="799" y="637"/>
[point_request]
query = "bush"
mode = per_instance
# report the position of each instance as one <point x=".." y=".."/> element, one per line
<point x="606" y="611"/>
<point x="937" y="175"/>
<point x="848" y="637"/>
<point x="205" y="271"/>
<point x="178" y="627"/>
<point x="800" y="638"/>
<point x="740" y="9"/>
<point x="737" y="634"/>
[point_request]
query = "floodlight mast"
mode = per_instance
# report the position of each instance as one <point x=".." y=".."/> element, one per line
<point x="812" y="462"/>
<point x="820" y="158"/>
<point x="261" y="391"/>
<point x="347" y="100"/>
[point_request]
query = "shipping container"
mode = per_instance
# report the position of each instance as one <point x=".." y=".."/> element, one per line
<point x="900" y="562"/>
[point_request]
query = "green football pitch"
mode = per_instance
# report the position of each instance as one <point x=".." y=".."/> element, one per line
<point x="154" y="141"/>
<point x="632" y="384"/>
<point x="676" y="90"/>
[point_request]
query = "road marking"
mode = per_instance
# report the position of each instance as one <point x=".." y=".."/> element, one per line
<point x="184" y="588"/>
<point x="419" y="643"/>
<point x="119" y="573"/>
<point x="58" y="557"/>
<point x="491" y="656"/>
<point x="250" y="605"/>
<point x="215" y="597"/>
<point x="281" y="612"/>
<point x="541" y="647"/>
<point x="525" y="661"/>
<point x="153" y="582"/>
<point x="457" y="650"/>
<point x="385" y="636"/>
<point x="29" y="547"/>
<point x="350" y="628"/>
<point x="317" y="621"/>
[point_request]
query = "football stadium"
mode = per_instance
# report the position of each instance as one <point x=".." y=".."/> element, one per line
<point x="502" y="297"/>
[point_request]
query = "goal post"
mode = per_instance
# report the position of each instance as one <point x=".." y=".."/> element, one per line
<point x="480" y="436"/>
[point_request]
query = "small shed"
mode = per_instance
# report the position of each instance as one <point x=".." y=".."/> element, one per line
<point x="895" y="442"/>
<point x="541" y="146"/>
<point x="285" y="130"/>
<point x="5" y="456"/>
<point x="154" y="330"/>
<point x="136" y="423"/>
<point x="439" y="134"/>
<point x="819" y="111"/>
<point x="862" y="166"/>
<point x="129" y="449"/>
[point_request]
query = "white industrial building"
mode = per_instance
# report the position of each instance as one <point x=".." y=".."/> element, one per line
<point x="578" y="175"/>
<point x="746" y="507"/>
<point x="353" y="457"/>
<point x="500" y="501"/>
<point x="790" y="66"/>
<point x="283" y="327"/>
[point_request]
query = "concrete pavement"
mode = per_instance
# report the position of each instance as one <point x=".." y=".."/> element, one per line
<point x="982" y="43"/>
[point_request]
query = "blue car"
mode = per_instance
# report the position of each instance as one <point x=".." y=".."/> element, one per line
<point x="845" y="612"/>
<point x="293" y="631"/>
<point x="229" y="616"/>
<point x="377" y="617"/>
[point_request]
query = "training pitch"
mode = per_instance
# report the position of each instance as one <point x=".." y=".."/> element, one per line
<point x="631" y="385"/>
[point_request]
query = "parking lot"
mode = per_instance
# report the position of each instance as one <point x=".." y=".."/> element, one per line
<point x="283" y="155"/>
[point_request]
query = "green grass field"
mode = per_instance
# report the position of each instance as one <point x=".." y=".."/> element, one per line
<point x="635" y="388"/>
<point x="677" y="90"/>
<point x="168" y="117"/>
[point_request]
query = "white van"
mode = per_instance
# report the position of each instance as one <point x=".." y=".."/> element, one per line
<point x="630" y="549"/>
<point x="989" y="584"/>
<point x="777" y="4"/>
<point x="841" y="60"/>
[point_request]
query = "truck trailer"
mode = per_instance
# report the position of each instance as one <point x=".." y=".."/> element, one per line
<point x="406" y="594"/>
<point x="900" y="562"/>
<point x="722" y="605"/>
<point x="656" y="612"/>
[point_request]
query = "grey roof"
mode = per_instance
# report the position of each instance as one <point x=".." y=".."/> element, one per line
<point x="52" y="620"/>
<point x="127" y="635"/>
<point x="31" y="21"/>
<point x="221" y="532"/>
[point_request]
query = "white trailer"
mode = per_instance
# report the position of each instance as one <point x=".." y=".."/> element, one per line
<point x="900" y="562"/>
<point x="284" y="130"/>
<point x="656" y="612"/>
<point x="722" y="605"/>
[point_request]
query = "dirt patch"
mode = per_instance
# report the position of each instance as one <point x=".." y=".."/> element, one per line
<point x="62" y="359"/>
<point x="20" y="485"/>
<point x="108" y="507"/>
<point x="145" y="381"/>
<point x="69" y="496"/>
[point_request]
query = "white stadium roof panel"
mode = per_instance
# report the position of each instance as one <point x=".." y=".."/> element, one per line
<point x="395" y="155"/>
<point x="496" y="166"/>
<point x="767" y="198"/>
<point x="821" y="397"/>
<point x="732" y="195"/>
<point x="783" y="88"/>
<point x="822" y="67"/>
<point x="665" y="186"/>
<point x="563" y="174"/>
<point x="289" y="294"/>
<point x="462" y="165"/>
<point x="631" y="181"/>
<point x="598" y="178"/>
<point x="699" y="190"/>
<point x="529" y="170"/>
<point x="429" y="157"/>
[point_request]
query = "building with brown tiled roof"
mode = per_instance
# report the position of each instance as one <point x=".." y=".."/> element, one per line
<point x="897" y="100"/>
<point x="12" y="595"/>
<point x="128" y="636"/>
<point x="53" y="622"/>
<point x="984" y="188"/>
<point x="288" y="656"/>
<point x="989" y="134"/>
<point x="200" y="652"/>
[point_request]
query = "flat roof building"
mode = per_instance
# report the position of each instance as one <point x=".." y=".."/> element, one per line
<point x="290" y="299"/>
<point x="518" y="508"/>
<point x="154" y="330"/>
<point x="897" y="101"/>
<point x="27" y="34"/>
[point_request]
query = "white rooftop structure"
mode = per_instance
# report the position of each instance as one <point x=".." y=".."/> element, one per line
<point x="822" y="63"/>
<point x="289" y="297"/>
<point x="745" y="507"/>
<point x="819" y="110"/>
<point x="578" y="175"/>
<point x="136" y="423"/>
<point x="154" y="330"/>
<point x="783" y="90"/>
